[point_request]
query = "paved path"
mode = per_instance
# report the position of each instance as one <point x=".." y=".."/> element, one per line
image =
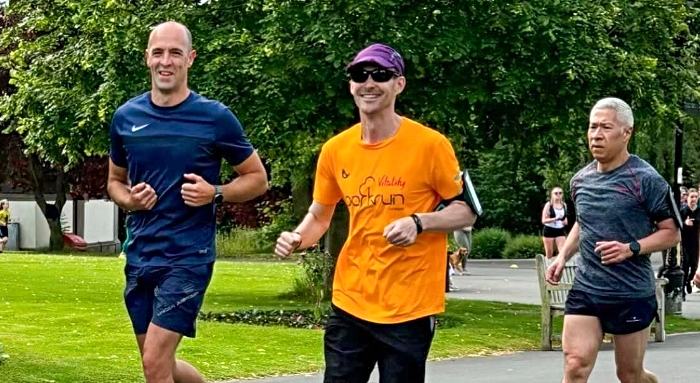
<point x="674" y="360"/>
<point x="495" y="280"/>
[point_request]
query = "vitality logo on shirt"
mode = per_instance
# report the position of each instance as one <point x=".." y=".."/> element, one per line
<point x="135" y="128"/>
<point x="369" y="193"/>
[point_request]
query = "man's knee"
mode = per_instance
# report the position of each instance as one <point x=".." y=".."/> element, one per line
<point x="157" y="367"/>
<point x="578" y="366"/>
<point x="158" y="351"/>
<point x="154" y="370"/>
<point x="629" y="374"/>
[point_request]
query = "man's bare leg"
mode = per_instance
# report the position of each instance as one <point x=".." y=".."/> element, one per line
<point x="158" y="349"/>
<point x="580" y="340"/>
<point x="629" y="358"/>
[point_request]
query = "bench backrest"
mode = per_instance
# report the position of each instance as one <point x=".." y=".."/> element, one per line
<point x="554" y="295"/>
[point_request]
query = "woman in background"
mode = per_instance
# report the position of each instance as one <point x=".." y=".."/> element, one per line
<point x="4" y="220"/>
<point x="555" y="222"/>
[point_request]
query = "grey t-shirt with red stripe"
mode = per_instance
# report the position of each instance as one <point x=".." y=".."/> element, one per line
<point x="623" y="205"/>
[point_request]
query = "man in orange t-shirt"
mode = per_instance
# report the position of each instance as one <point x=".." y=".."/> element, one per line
<point x="391" y="173"/>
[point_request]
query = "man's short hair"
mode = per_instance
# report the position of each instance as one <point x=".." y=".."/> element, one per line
<point x="623" y="112"/>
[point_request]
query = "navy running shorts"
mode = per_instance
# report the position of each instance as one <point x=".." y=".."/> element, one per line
<point x="167" y="296"/>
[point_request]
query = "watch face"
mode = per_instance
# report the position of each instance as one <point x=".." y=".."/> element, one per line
<point x="634" y="246"/>
<point x="219" y="198"/>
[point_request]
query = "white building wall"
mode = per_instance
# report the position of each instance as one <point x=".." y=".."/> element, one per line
<point x="42" y="230"/>
<point x="100" y="221"/>
<point x="24" y="213"/>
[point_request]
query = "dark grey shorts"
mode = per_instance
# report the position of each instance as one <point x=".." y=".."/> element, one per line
<point x="617" y="316"/>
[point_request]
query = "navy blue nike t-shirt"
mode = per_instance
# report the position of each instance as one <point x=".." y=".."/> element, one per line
<point x="159" y="145"/>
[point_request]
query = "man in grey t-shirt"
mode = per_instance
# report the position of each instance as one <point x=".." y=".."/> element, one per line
<point x="624" y="212"/>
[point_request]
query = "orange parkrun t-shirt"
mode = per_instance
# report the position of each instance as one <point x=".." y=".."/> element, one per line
<point x="409" y="173"/>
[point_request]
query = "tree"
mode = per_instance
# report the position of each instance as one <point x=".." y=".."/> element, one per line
<point x="28" y="173"/>
<point x="72" y="63"/>
<point x="511" y="83"/>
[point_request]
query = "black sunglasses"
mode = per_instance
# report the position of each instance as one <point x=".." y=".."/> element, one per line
<point x="360" y="75"/>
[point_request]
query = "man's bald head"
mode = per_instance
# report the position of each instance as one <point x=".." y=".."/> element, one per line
<point x="169" y="56"/>
<point x="170" y="26"/>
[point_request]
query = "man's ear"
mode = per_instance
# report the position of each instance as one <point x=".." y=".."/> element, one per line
<point x="401" y="84"/>
<point x="191" y="56"/>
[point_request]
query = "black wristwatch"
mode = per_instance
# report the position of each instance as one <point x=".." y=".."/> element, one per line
<point x="418" y="222"/>
<point x="218" y="195"/>
<point x="634" y="246"/>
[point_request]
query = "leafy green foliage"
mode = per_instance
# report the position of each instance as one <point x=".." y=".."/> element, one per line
<point x="489" y="243"/>
<point x="511" y="83"/>
<point x="523" y="247"/>
<point x="315" y="284"/>
<point x="73" y="63"/>
<point x="288" y="318"/>
<point x="241" y="243"/>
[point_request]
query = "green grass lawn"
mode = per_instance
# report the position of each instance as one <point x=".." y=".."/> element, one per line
<point x="62" y="319"/>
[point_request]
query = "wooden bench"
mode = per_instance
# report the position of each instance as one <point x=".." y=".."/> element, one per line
<point x="554" y="298"/>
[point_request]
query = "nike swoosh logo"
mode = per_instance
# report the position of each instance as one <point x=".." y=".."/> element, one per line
<point x="137" y="128"/>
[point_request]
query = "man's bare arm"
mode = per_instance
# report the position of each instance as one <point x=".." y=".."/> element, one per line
<point x="251" y="182"/>
<point x="315" y="224"/>
<point x="455" y="216"/>
<point x="118" y="186"/>
<point x="665" y="237"/>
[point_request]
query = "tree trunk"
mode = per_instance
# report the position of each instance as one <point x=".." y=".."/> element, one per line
<point x="52" y="212"/>
<point x="56" y="242"/>
<point x="336" y="236"/>
<point x="301" y="196"/>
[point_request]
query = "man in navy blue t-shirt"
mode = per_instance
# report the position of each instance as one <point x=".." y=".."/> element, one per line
<point x="166" y="152"/>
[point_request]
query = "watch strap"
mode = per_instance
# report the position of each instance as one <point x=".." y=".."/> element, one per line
<point x="218" y="194"/>
<point x="418" y="222"/>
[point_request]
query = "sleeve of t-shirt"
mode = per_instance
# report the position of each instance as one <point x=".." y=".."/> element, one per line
<point x="231" y="141"/>
<point x="116" y="147"/>
<point x="326" y="188"/>
<point x="658" y="199"/>
<point x="445" y="171"/>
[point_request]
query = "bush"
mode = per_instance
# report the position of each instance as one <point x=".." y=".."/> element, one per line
<point x="303" y="318"/>
<point x="314" y="285"/>
<point x="489" y="243"/>
<point x="281" y="219"/>
<point x="242" y="241"/>
<point x="523" y="247"/>
<point x="238" y="241"/>
<point x="285" y="317"/>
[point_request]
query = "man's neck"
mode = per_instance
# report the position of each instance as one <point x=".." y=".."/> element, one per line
<point x="614" y="163"/>
<point x="379" y="127"/>
<point x="169" y="99"/>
